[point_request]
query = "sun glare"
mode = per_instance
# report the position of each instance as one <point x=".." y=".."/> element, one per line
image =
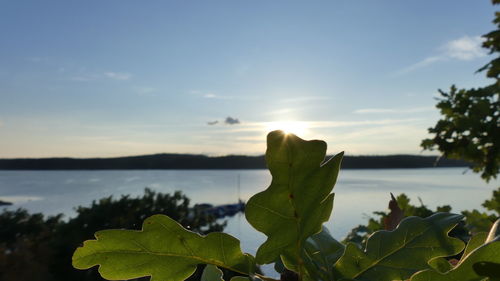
<point x="295" y="127"/>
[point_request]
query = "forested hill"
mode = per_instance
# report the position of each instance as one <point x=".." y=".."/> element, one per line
<point x="189" y="161"/>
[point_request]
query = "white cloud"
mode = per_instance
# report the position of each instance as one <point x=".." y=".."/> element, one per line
<point x="118" y="75"/>
<point x="393" y="110"/>
<point x="423" y="63"/>
<point x="209" y="96"/>
<point x="465" y="48"/>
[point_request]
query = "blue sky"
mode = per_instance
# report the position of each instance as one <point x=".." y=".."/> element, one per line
<point x="112" y="78"/>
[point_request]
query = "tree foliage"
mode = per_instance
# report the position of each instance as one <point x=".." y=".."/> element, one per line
<point x="469" y="127"/>
<point x="25" y="245"/>
<point x="33" y="247"/>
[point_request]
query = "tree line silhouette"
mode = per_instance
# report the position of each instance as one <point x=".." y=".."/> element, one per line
<point x="192" y="161"/>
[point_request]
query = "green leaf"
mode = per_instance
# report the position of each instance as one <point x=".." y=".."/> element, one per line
<point x="163" y="250"/>
<point x="397" y="254"/>
<point x="488" y="269"/>
<point x="321" y="252"/>
<point x="475" y="241"/>
<point x="299" y="198"/>
<point x="440" y="264"/>
<point x="323" y="248"/>
<point x="494" y="233"/>
<point x="486" y="254"/>
<point x="211" y="273"/>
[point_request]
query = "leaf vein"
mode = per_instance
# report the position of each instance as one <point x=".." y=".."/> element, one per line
<point x="377" y="261"/>
<point x="271" y="211"/>
<point x="196" y="258"/>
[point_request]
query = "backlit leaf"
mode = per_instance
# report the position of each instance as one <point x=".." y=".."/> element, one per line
<point x="475" y="241"/>
<point x="321" y="252"/>
<point x="487" y="253"/>
<point x="397" y="254"/>
<point x="163" y="250"/>
<point x="440" y="264"/>
<point x="477" y="263"/>
<point x="211" y="273"/>
<point x="299" y="198"/>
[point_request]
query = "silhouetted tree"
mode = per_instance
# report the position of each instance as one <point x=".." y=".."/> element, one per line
<point x="469" y="128"/>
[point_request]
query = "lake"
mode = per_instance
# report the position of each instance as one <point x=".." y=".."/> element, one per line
<point x="358" y="192"/>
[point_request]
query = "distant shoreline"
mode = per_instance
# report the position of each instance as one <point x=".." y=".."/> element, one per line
<point x="203" y="162"/>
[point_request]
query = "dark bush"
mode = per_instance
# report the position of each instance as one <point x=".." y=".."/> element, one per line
<point x="34" y="248"/>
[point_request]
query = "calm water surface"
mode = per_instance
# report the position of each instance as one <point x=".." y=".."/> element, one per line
<point x="358" y="192"/>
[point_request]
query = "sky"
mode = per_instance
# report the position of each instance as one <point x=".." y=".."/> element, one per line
<point x="103" y="78"/>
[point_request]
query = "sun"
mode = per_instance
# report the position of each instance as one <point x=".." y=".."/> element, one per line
<point x="298" y="128"/>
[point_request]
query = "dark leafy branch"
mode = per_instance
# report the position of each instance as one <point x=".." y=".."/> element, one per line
<point x="469" y="127"/>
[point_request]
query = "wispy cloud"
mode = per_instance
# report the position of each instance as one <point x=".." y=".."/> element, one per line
<point x="118" y="75"/>
<point x="262" y="126"/>
<point x="393" y="110"/>
<point x="212" y="122"/>
<point x="216" y="97"/>
<point x="208" y="94"/>
<point x="89" y="76"/>
<point x="423" y="63"/>
<point x="333" y="124"/>
<point x="84" y="78"/>
<point x="37" y="59"/>
<point x="281" y="111"/>
<point x="306" y="99"/>
<point x="211" y="96"/>
<point x="361" y="137"/>
<point x="145" y="91"/>
<point x="465" y="48"/>
<point x="403" y="138"/>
